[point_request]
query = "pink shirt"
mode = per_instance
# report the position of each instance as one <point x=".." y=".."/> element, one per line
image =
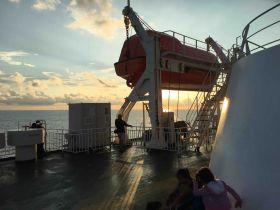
<point x="214" y="195"/>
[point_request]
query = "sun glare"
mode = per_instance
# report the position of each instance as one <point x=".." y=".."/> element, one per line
<point x="169" y="94"/>
<point x="167" y="110"/>
<point x="225" y="104"/>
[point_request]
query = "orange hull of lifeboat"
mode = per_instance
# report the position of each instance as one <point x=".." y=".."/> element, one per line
<point x="190" y="66"/>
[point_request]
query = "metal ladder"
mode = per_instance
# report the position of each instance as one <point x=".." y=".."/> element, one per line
<point x="204" y="113"/>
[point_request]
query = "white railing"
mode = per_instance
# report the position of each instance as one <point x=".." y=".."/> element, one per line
<point x="64" y="140"/>
<point x="77" y="141"/>
<point x="7" y="152"/>
<point x="263" y="37"/>
<point x="177" y="140"/>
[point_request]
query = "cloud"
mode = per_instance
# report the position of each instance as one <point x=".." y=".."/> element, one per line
<point x="46" y="4"/>
<point x="75" y="98"/>
<point x="105" y="84"/>
<point x="55" y="88"/>
<point x="12" y="93"/>
<point x="17" y="78"/>
<point x="9" y="57"/>
<point x="49" y="73"/>
<point x="95" y="17"/>
<point x="69" y="79"/>
<point x="14" y="1"/>
<point x="29" y="65"/>
<point x="82" y="98"/>
<point x="106" y="70"/>
<point x="35" y="84"/>
<point x="16" y="98"/>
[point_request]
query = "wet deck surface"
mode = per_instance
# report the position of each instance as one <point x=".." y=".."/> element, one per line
<point x="104" y="180"/>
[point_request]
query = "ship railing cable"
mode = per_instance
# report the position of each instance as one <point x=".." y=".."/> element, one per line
<point x="169" y="81"/>
<point x="245" y="35"/>
<point x="178" y="98"/>
<point x="144" y="22"/>
<point x="183" y="39"/>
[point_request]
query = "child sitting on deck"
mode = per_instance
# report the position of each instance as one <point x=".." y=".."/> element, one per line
<point x="214" y="191"/>
<point x="182" y="198"/>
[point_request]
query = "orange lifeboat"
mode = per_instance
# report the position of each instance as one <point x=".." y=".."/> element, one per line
<point x="182" y="67"/>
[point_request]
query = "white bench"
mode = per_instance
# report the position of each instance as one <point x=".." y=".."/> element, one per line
<point x="25" y="143"/>
<point x="2" y="140"/>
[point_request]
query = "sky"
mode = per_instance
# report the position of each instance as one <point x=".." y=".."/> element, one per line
<point x="55" y="52"/>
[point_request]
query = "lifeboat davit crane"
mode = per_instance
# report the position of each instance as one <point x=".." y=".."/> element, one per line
<point x="151" y="61"/>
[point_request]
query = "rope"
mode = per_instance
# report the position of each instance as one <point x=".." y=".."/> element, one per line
<point x="169" y="70"/>
<point x="178" y="97"/>
<point x="127" y="23"/>
<point x="144" y="23"/>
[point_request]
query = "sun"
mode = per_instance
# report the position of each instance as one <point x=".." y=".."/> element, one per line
<point x="169" y="94"/>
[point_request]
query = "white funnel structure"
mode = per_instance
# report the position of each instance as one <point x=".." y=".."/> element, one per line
<point x="247" y="150"/>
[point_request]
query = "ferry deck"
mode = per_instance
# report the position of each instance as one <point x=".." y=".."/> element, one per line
<point x="96" y="180"/>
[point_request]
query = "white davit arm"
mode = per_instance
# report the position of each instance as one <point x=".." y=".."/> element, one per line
<point x="218" y="50"/>
<point x="136" y="24"/>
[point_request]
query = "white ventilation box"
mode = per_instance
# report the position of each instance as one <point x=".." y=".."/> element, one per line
<point x="2" y="140"/>
<point x="25" y="143"/>
<point x="89" y="125"/>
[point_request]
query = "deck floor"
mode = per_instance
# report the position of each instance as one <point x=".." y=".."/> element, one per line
<point x="103" y="180"/>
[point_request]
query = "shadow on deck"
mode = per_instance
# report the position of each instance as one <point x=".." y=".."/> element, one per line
<point x="104" y="180"/>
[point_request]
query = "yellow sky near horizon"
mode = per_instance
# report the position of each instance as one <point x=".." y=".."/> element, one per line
<point x="185" y="101"/>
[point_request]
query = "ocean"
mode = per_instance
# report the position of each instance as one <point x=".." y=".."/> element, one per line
<point x="58" y="119"/>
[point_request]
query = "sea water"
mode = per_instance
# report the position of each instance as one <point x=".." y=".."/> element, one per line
<point x="58" y="119"/>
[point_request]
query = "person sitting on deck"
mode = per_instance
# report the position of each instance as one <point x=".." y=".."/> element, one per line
<point x="182" y="198"/>
<point x="182" y="190"/>
<point x="120" y="129"/>
<point x="214" y="191"/>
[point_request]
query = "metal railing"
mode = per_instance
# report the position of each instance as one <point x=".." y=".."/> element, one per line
<point x="74" y="141"/>
<point x="176" y="140"/>
<point x="196" y="43"/>
<point x="187" y="40"/>
<point x="7" y="152"/>
<point x="78" y="141"/>
<point x="201" y="114"/>
<point x="247" y="39"/>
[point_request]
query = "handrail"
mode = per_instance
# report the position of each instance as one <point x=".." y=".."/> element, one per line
<point x="277" y="5"/>
<point x="245" y="31"/>
<point x="197" y="43"/>
<point x="183" y="36"/>
<point x="263" y="29"/>
<point x="201" y="97"/>
<point x="197" y="103"/>
<point x="263" y="46"/>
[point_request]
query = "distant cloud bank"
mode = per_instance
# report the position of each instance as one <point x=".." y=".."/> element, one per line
<point x="53" y="88"/>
